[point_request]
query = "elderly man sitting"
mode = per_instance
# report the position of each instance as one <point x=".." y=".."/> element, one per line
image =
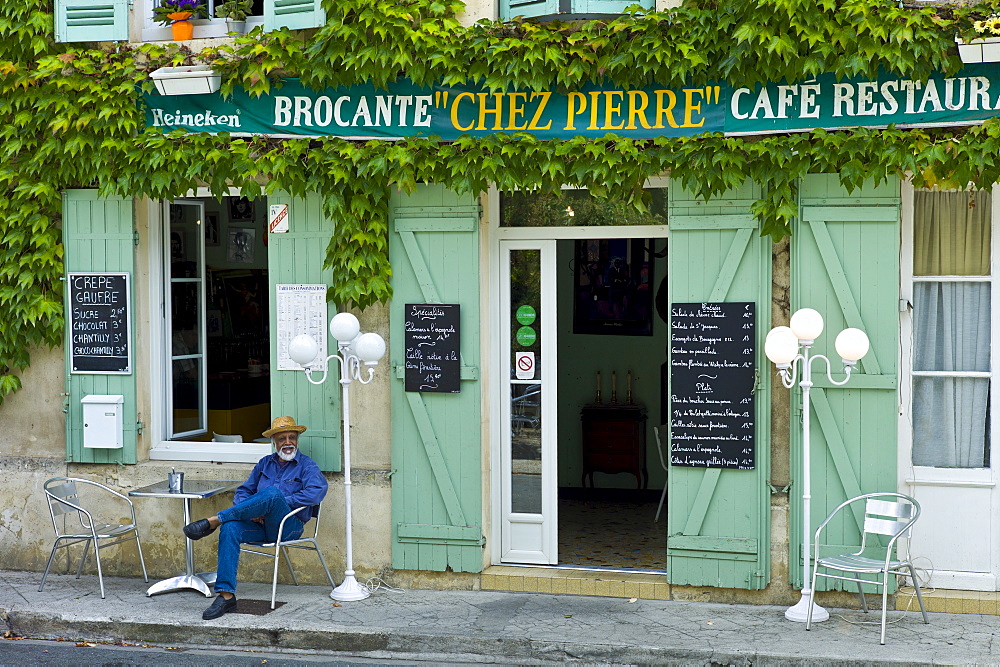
<point x="279" y="483"/>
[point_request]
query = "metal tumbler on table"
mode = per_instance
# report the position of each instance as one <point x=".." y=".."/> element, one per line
<point x="175" y="480"/>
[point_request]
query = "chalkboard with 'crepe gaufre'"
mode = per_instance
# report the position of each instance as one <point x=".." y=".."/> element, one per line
<point x="712" y="385"/>
<point x="99" y="321"/>
<point x="431" y="342"/>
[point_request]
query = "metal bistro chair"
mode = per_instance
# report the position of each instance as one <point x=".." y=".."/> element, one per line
<point x="663" y="462"/>
<point x="889" y="514"/>
<point x="279" y="547"/>
<point x="64" y="502"/>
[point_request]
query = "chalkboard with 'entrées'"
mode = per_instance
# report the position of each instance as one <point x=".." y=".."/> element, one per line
<point x="99" y="321"/>
<point x="431" y="341"/>
<point x="712" y="377"/>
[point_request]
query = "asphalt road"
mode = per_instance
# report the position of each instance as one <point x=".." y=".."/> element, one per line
<point x="21" y="652"/>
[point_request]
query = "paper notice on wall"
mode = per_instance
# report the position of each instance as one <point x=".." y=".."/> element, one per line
<point x="300" y="309"/>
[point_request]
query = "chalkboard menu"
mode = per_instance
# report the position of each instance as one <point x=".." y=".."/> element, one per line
<point x="99" y="321"/>
<point x="711" y="388"/>
<point x="433" y="361"/>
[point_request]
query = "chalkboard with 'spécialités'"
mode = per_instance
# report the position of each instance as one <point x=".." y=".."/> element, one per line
<point x="99" y="321"/>
<point x="431" y="341"/>
<point x="712" y="385"/>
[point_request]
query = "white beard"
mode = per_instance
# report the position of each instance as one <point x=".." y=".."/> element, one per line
<point x="287" y="457"/>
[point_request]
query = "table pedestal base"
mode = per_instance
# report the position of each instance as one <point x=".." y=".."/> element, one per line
<point x="181" y="582"/>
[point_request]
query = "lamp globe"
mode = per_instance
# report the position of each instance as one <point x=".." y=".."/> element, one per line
<point x="852" y="344"/>
<point x="806" y="323"/>
<point x="344" y="327"/>
<point x="302" y="349"/>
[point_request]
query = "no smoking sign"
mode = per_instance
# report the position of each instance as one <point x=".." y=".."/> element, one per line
<point x="524" y="363"/>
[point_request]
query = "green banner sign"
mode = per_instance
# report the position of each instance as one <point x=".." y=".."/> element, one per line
<point x="404" y="109"/>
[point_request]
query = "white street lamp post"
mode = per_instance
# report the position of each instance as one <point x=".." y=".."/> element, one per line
<point x="355" y="349"/>
<point x="782" y="347"/>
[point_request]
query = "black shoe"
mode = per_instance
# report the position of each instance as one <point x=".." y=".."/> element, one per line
<point x="219" y="607"/>
<point x="198" y="529"/>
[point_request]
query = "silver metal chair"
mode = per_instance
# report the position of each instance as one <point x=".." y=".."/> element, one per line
<point x="280" y="546"/>
<point x="79" y="523"/>
<point x="887" y="514"/>
<point x="663" y="462"/>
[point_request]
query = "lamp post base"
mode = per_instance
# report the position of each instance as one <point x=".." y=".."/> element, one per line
<point x="350" y="590"/>
<point x="800" y="610"/>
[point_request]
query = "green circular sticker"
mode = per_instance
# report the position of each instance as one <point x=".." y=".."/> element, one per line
<point x="526" y="336"/>
<point x="525" y="314"/>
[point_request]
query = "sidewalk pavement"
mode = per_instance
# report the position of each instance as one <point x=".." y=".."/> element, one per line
<point x="488" y="626"/>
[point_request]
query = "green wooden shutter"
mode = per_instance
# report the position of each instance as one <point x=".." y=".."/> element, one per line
<point x="294" y="14"/>
<point x="91" y="20"/>
<point x="296" y="258"/>
<point x="436" y="438"/>
<point x="98" y="237"/>
<point x="527" y="8"/>
<point x="845" y="264"/>
<point x="718" y="525"/>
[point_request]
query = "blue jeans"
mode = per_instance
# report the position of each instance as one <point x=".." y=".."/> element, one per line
<point x="237" y="528"/>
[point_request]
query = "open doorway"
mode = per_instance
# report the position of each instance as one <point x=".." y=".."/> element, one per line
<point x="216" y="319"/>
<point x="582" y="277"/>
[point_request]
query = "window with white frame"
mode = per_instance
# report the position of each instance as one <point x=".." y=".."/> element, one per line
<point x="952" y="315"/>
<point x="203" y="28"/>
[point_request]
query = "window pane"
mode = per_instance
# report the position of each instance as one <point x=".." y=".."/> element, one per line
<point x="578" y="208"/>
<point x="187" y="395"/>
<point x="951" y="326"/>
<point x="951" y="233"/>
<point x="951" y="422"/>
<point x="526" y="414"/>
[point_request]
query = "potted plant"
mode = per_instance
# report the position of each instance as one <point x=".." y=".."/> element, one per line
<point x="178" y="14"/>
<point x="985" y="49"/>
<point x="235" y="12"/>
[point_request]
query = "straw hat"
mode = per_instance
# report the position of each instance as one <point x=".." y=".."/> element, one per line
<point x="281" y="424"/>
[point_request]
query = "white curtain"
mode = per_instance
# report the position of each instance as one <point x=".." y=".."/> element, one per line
<point x="951" y="414"/>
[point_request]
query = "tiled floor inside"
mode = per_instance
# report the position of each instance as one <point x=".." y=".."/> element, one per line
<point x="601" y="532"/>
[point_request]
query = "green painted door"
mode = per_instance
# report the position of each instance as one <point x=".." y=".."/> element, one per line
<point x="718" y="527"/>
<point x="845" y="264"/>
<point x="98" y="237"/>
<point x="296" y="258"/>
<point x="436" y="437"/>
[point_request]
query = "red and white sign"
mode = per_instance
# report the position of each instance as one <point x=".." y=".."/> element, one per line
<point x="277" y="220"/>
<point x="524" y="363"/>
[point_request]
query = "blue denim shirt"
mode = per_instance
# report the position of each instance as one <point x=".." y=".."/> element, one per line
<point x="300" y="481"/>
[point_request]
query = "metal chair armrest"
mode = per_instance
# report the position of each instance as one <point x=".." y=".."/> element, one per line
<point x="281" y="526"/>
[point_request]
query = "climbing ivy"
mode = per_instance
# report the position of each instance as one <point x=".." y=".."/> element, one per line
<point x="72" y="117"/>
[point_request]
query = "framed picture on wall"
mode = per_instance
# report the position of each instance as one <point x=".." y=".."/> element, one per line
<point x="241" y="245"/>
<point x="612" y="287"/>
<point x="240" y="209"/>
<point x="211" y="229"/>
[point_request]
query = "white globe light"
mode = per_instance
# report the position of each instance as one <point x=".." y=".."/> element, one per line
<point x="777" y="331"/>
<point x="807" y="324"/>
<point x="344" y="327"/>
<point x="781" y="346"/>
<point x="852" y="344"/>
<point x="369" y="347"/>
<point x="303" y="349"/>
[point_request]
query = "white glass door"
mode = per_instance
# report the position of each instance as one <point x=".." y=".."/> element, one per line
<point x="528" y="483"/>
<point x="184" y="320"/>
<point x="952" y="466"/>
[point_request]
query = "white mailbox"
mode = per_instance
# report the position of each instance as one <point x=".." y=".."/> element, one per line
<point x="102" y="421"/>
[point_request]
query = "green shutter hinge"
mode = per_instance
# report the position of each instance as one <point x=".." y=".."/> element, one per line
<point x="139" y="426"/>
<point x="480" y="211"/>
<point x="482" y="541"/>
<point x="65" y="407"/>
<point x="756" y="381"/>
<point x="135" y="234"/>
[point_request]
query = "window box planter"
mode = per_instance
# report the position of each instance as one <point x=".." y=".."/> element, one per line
<point x="186" y="80"/>
<point x="985" y="50"/>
